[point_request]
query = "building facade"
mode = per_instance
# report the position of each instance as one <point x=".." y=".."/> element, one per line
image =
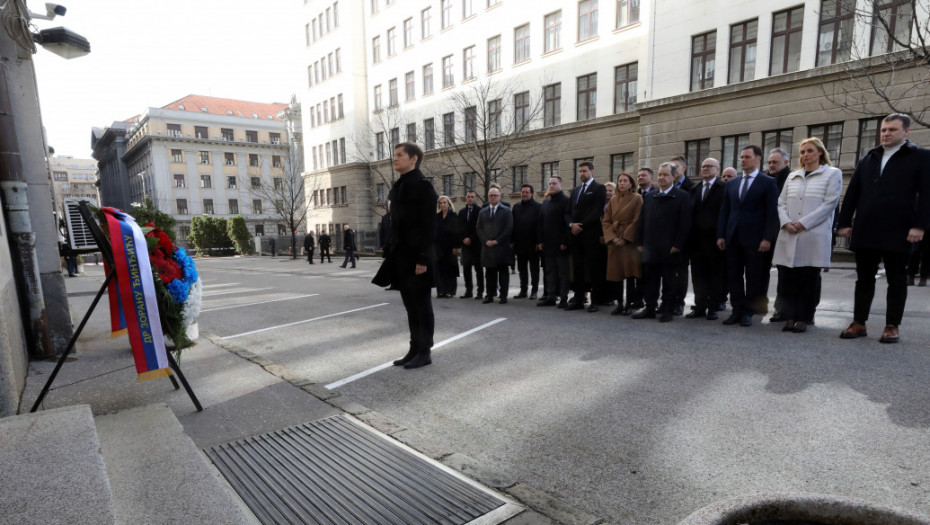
<point x="72" y="178"/>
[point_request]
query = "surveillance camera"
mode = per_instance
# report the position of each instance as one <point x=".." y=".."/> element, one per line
<point x="55" y="9"/>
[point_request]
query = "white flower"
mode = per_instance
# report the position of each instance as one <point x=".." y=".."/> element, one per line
<point x="194" y="303"/>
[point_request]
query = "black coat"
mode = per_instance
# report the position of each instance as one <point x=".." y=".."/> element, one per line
<point x="448" y="238"/>
<point x="384" y="230"/>
<point x="755" y="217"/>
<point x="687" y="184"/>
<point x="882" y="206"/>
<point x="526" y="217"/>
<point x="553" y="224"/>
<point x="781" y="177"/>
<point x="497" y="228"/>
<point x="702" y="241"/>
<point x="588" y="210"/>
<point x="325" y="241"/>
<point x="467" y="223"/>
<point x="348" y="240"/>
<point x="413" y="231"/>
<point x="308" y="242"/>
<point x="664" y="223"/>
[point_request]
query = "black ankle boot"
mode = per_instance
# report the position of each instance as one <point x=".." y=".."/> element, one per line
<point x="407" y="358"/>
<point x="421" y="359"/>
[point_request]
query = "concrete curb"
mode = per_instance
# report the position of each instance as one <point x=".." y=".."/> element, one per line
<point x="537" y="502"/>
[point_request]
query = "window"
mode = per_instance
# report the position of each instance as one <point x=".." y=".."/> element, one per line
<point x="206" y="181"/>
<point x="786" y="41"/>
<point x="179" y="181"/>
<point x="831" y="135"/>
<point x="448" y="129"/>
<point x="375" y="49"/>
<point x="185" y="231"/>
<point x="519" y="178"/>
<point x="324" y="71"/>
<point x="468" y="8"/>
<point x="392" y="42"/>
<point x="395" y="136"/>
<point x="627" y="12"/>
<point x="342" y="150"/>
<point x="408" y="32"/>
<point x="204" y="157"/>
<point x="200" y="132"/>
<point x="834" y="41"/>
<point x="61" y="175"/>
<point x="625" y="87"/>
<point x="227" y="134"/>
<point x="174" y="130"/>
<point x="229" y="159"/>
<point x="495" y="113"/>
<point x="425" y="18"/>
<point x="251" y="136"/>
<point x="326" y="111"/>
<point x="208" y="206"/>
<point x="553" y="32"/>
<point x="253" y="160"/>
<point x="495" y="175"/>
<point x="177" y="156"/>
<point x="256" y="209"/>
<point x="409" y="87"/>
<point x="275" y="138"/>
<point x="310" y="74"/>
<point x="587" y="20"/>
<point x="392" y="92"/>
<point x="374" y="6"/>
<point x="494" y="54"/>
<point x="587" y="96"/>
<point x="429" y="134"/>
<point x="335" y="14"/>
<point x="552" y="105"/>
<point x="231" y="182"/>
<point x="521" y="111"/>
<point x="521" y="44"/>
<point x="378" y="98"/>
<point x="779" y="138"/>
<point x="468" y="63"/>
<point x="471" y="124"/>
<point x="412" y="132"/>
<point x="492" y="3"/>
<point x="732" y="146"/>
<point x="448" y="185"/>
<point x="743" y="51"/>
<point x="308" y="33"/>
<point x="696" y="151"/>
<point x="468" y="182"/>
<point x="620" y="162"/>
<point x="448" y="78"/>
<point x="182" y="206"/>
<point x="869" y="136"/>
<point x="549" y="170"/>
<point x="342" y="191"/>
<point x="381" y="192"/>
<point x="338" y="60"/>
<point x="427" y="79"/>
<point x="256" y="182"/>
<point x="278" y="183"/>
<point x="891" y="26"/>
<point x="703" y="49"/>
<point x="233" y="206"/>
<point x="379" y="145"/>
<point x="339" y="102"/>
<point x="276" y="161"/>
<point x="446" y="7"/>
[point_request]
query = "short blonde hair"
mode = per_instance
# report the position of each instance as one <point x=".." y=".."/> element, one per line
<point x="439" y="201"/>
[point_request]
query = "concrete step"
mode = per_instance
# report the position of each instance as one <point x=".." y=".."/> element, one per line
<point x="158" y="475"/>
<point x="52" y="471"/>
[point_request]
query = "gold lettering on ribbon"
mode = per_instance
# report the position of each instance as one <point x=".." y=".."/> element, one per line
<point x="138" y="296"/>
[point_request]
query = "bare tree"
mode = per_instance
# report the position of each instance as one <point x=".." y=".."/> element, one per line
<point x="285" y="190"/>
<point x="890" y="71"/>
<point x="374" y="142"/>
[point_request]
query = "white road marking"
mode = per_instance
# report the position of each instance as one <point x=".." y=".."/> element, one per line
<point x="218" y="285"/>
<point x="260" y="302"/>
<point x="205" y="296"/>
<point x="304" y="321"/>
<point x="389" y="364"/>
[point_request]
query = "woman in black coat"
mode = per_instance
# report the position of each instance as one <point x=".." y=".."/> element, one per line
<point x="448" y="241"/>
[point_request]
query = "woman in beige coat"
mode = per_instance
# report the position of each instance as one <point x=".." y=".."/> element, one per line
<point x="623" y="260"/>
<point x="804" y="246"/>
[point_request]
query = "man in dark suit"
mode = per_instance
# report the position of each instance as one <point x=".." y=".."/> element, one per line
<point x="746" y="229"/>
<point x="661" y="235"/>
<point x="779" y="163"/>
<point x="644" y="181"/>
<point x="886" y="207"/>
<point x="495" y="226"/>
<point x="683" y="182"/>
<point x="410" y="254"/>
<point x="308" y="247"/>
<point x="471" y="246"/>
<point x="553" y="239"/>
<point x="708" y="270"/>
<point x="325" y="242"/>
<point x="588" y="254"/>
<point x="525" y="240"/>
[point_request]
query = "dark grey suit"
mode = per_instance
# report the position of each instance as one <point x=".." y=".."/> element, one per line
<point x="495" y="259"/>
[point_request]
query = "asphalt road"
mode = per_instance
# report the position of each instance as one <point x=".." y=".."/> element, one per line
<point x="634" y="421"/>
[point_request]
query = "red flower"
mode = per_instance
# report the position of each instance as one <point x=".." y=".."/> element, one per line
<point x="164" y="242"/>
<point x="167" y="269"/>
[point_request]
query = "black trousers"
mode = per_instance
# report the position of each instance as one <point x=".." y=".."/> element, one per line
<point x="557" y="275"/>
<point x="895" y="272"/>
<point x="495" y="273"/>
<point x="310" y="256"/>
<point x="708" y="277"/>
<point x="529" y="258"/>
<point x="664" y="274"/>
<point x="634" y="292"/>
<point x="919" y="262"/>
<point x="681" y="281"/>
<point x="324" y="252"/>
<point x="420" y="319"/>
<point x="766" y="281"/>
<point x="745" y="277"/>
<point x="446" y="283"/>
<point x="589" y="268"/>
<point x="800" y="292"/>
<point x="350" y="256"/>
<point x="471" y="261"/>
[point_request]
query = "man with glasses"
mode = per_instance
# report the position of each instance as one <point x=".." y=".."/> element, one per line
<point x="495" y="226"/>
<point x="708" y="273"/>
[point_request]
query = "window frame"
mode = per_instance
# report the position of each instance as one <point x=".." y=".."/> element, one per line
<point x="624" y="87"/>
<point x="590" y="97"/>
<point x="787" y="33"/>
<point x="705" y="60"/>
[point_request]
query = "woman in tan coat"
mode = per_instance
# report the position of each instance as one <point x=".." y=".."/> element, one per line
<point x="623" y="260"/>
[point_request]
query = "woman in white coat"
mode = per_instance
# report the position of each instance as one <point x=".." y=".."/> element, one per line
<point x="804" y="246"/>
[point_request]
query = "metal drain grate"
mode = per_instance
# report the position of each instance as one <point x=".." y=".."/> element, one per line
<point x="337" y="470"/>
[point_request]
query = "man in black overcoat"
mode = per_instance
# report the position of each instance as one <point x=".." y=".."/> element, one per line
<point x="525" y="239"/>
<point x="325" y="242"/>
<point x="886" y="207"/>
<point x="708" y="268"/>
<point x="553" y="238"/>
<point x="495" y="227"/>
<point x="308" y="247"/>
<point x="471" y="246"/>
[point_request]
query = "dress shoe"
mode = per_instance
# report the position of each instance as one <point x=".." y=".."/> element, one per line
<point x="574" y="306"/>
<point x="800" y="327"/>
<point x="853" y="331"/>
<point x="665" y="317"/>
<point x="563" y="304"/>
<point x="711" y="315"/>
<point x="593" y="308"/>
<point x="789" y="326"/>
<point x="342" y="266"/>
<point x="890" y="334"/>
<point x="503" y="300"/>
<point x="533" y="296"/>
<point x="733" y="319"/>
<point x="645" y="313"/>
<point x="679" y="310"/>
<point x="617" y="311"/>
<point x="406" y="359"/>
<point x="478" y="297"/>
<point x="466" y="295"/>
<point x="487" y="300"/>
<point x="745" y="320"/>
<point x="521" y="295"/>
<point x="694" y="314"/>
<point x="546" y="302"/>
<point x="777" y="318"/>
<point x="419" y="360"/>
<point x="627" y="310"/>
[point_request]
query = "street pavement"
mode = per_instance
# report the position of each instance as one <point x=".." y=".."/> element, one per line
<point x="631" y="421"/>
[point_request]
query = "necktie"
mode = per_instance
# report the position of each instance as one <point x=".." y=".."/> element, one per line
<point x="742" y="187"/>
<point x="492" y="211"/>
<point x="468" y="214"/>
<point x="704" y="193"/>
<point x="580" y="192"/>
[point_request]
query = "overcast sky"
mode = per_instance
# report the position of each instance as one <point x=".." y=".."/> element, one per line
<point x="150" y="53"/>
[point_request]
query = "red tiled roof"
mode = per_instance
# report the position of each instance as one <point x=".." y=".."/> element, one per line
<point x="226" y="106"/>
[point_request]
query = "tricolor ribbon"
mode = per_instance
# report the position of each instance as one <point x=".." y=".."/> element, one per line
<point x="133" y="304"/>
